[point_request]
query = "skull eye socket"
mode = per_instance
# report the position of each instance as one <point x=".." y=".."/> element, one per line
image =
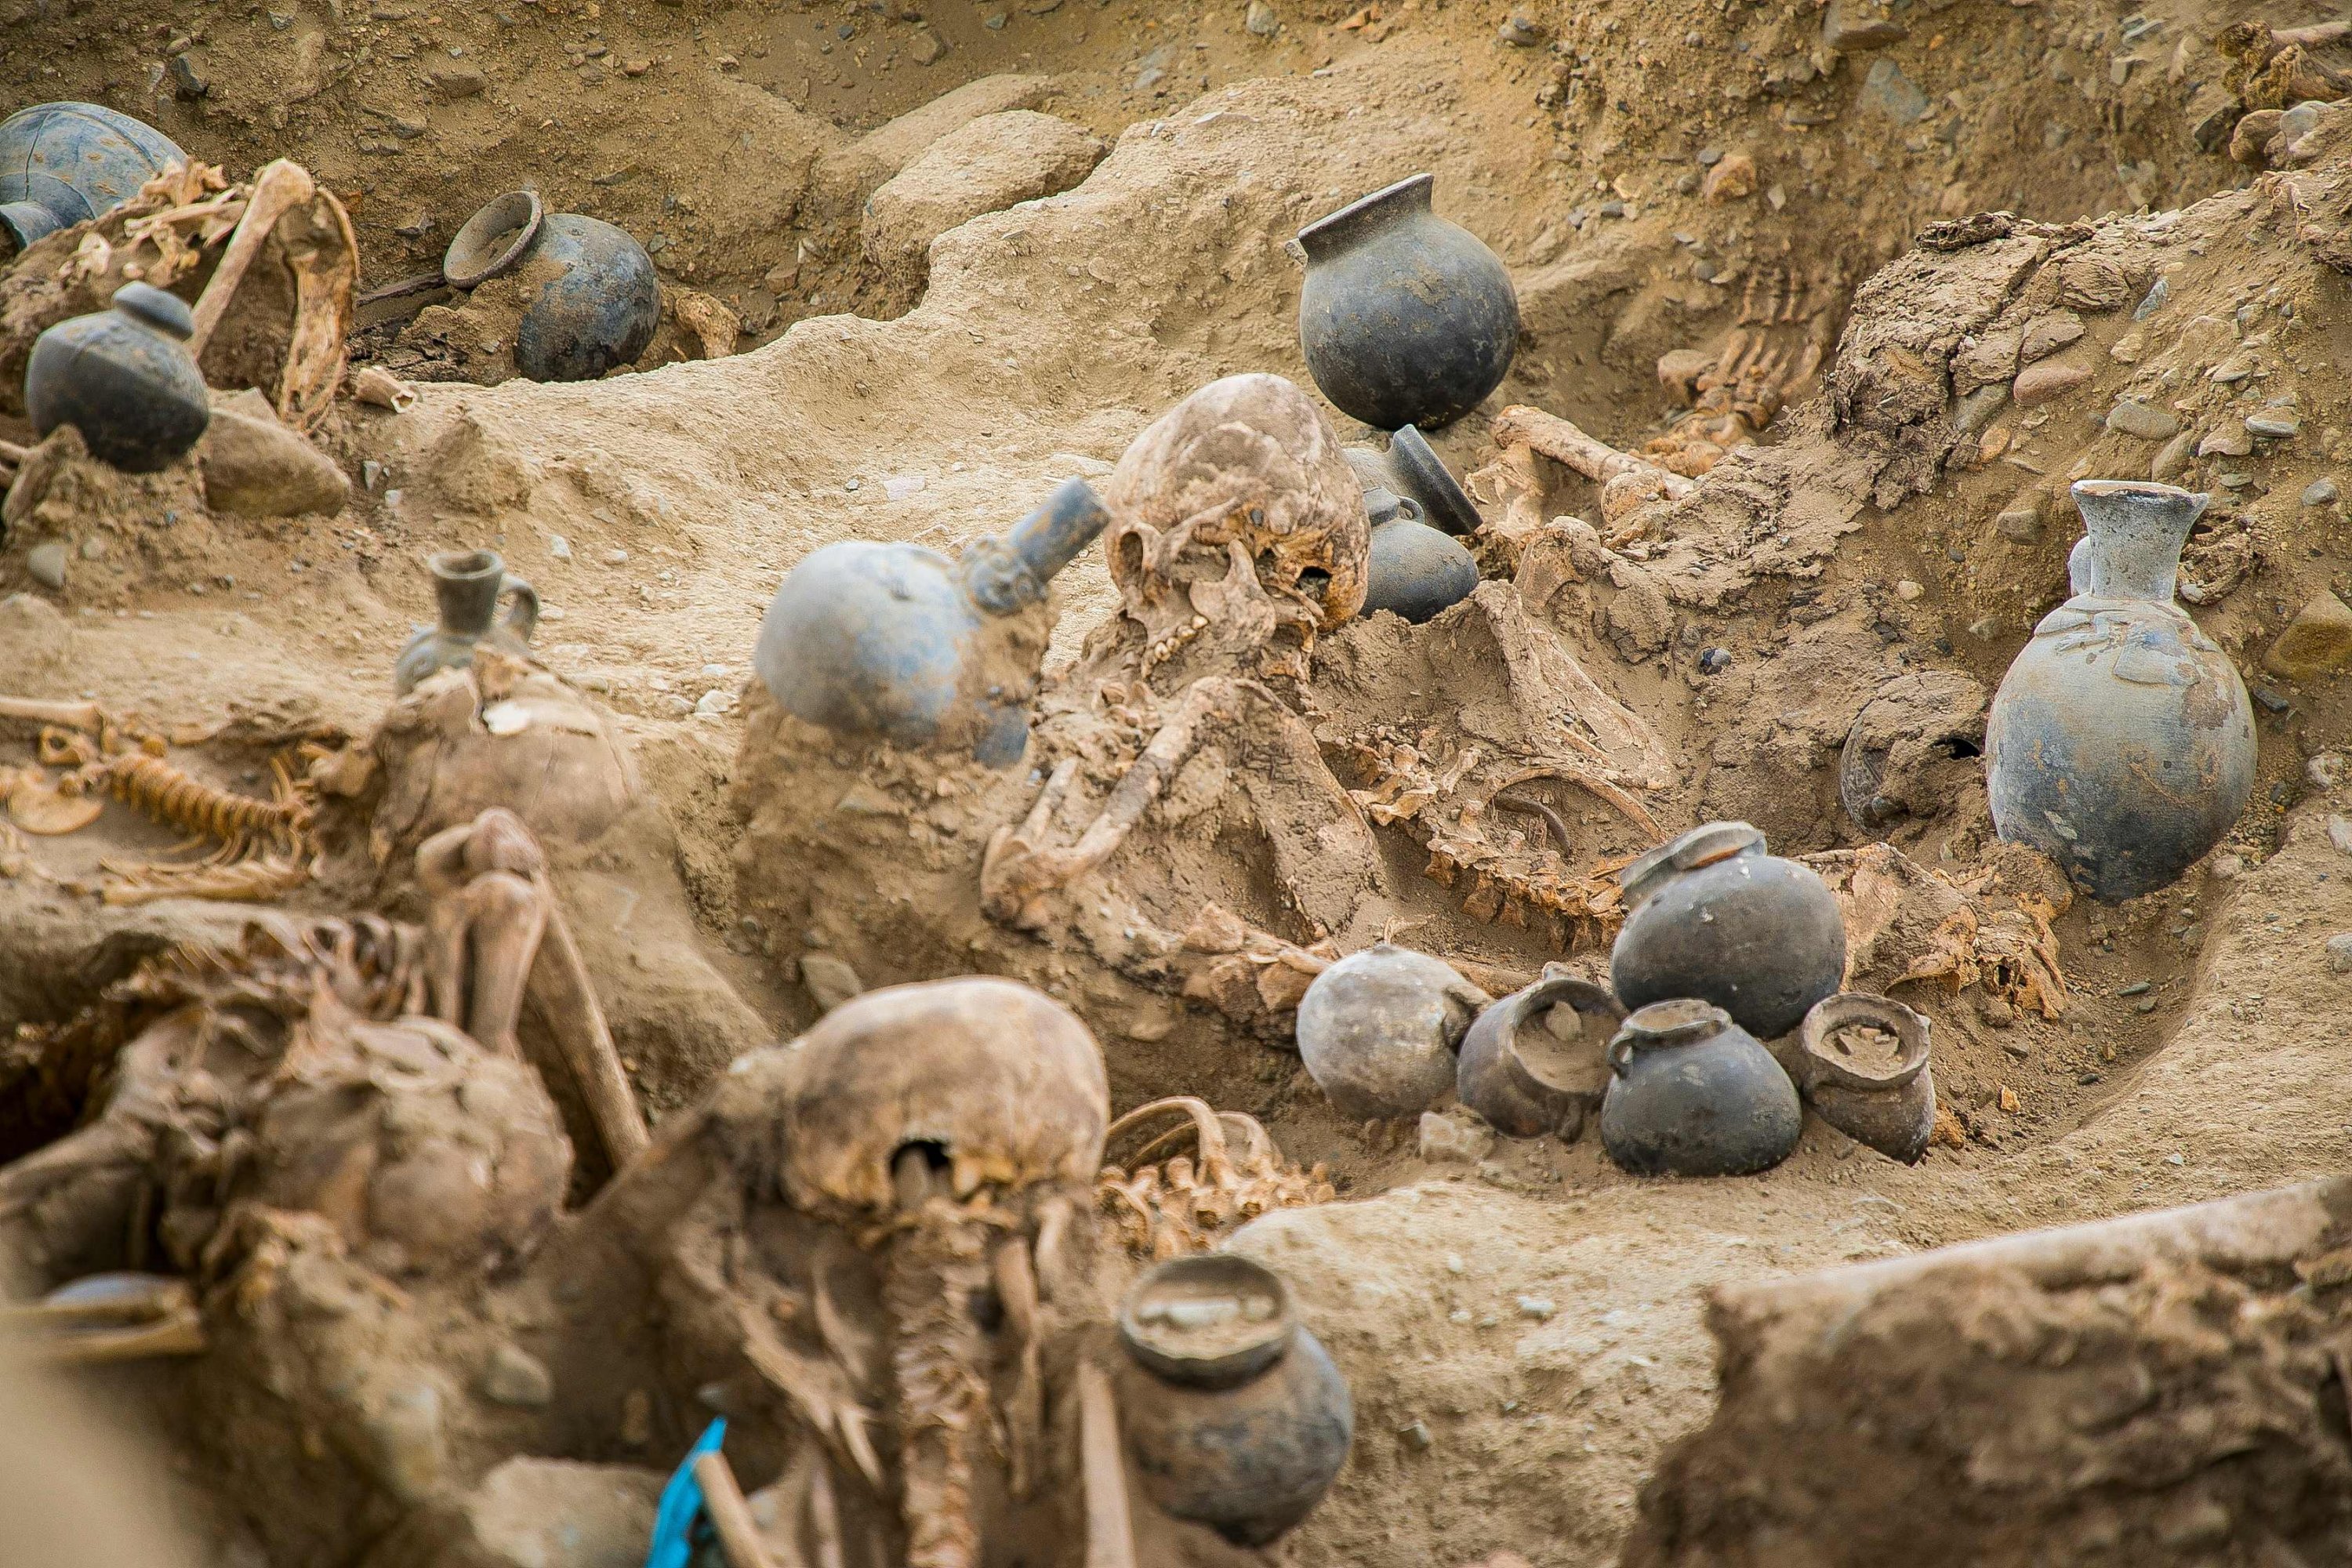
<point x="1314" y="583"/>
<point x="1128" y="549"/>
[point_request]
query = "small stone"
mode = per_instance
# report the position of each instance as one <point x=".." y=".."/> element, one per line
<point x="1416" y="1436"/>
<point x="1887" y="92"/>
<point x="2339" y="953"/>
<point x="257" y="466"/>
<point x="2324" y="771"/>
<point x="1520" y="31"/>
<point x="2228" y="868"/>
<point x="2228" y="439"/>
<point x="2050" y="379"/>
<point x="2132" y="417"/>
<point x="514" y="1376"/>
<point x="559" y="547"/>
<point x="2318" y="639"/>
<point x="2320" y="493"/>
<point x="2046" y="334"/>
<point x="2275" y="427"/>
<point x="93" y="549"/>
<point x="925" y="48"/>
<point x="1731" y="179"/>
<point x="2270" y="699"/>
<point x="1858" y="25"/>
<point x="47" y="562"/>
<point x="715" y="702"/>
<point x="993" y="21"/>
<point x="2157" y="293"/>
<point x="616" y="558"/>
<point x="1539" y="1308"/>
<point x="1715" y="661"/>
<point x="2022" y="525"/>
<point x="1985" y="628"/>
<point x="1455" y="1139"/>
<point x="2171" y="459"/>
<point x="2340" y="833"/>
<point x="457" y="80"/>
<point x="188" y="82"/>
<point x="830" y="982"/>
<point x="1909" y="592"/>
<point x="1261" y="21"/>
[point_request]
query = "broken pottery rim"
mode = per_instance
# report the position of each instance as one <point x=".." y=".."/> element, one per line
<point x="1223" y="1369"/>
<point x="469" y="261"/>
<point x="1352" y="224"/>
<point x="1846" y="1008"/>
<point x="1702" y="846"/>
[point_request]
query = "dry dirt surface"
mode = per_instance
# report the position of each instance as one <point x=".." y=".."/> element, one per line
<point x="973" y="250"/>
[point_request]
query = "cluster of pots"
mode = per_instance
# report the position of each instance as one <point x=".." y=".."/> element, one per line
<point x="1721" y="1021"/>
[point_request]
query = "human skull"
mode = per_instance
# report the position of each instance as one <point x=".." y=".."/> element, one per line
<point x="1002" y="1083"/>
<point x="1238" y="526"/>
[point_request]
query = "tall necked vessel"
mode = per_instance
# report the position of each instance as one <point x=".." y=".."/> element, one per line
<point x="124" y="378"/>
<point x="2121" y="743"/>
<point x="898" y="642"/>
<point x="1233" y="1414"/>
<point x="1691" y="1093"/>
<point x="1405" y="319"/>
<point x="468" y="586"/>
<point x="1712" y="915"/>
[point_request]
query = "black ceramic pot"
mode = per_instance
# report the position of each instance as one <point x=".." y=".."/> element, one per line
<point x="1712" y="916"/>
<point x="592" y="302"/>
<point x="124" y="378"/>
<point x="1691" y="1093"/>
<point x="1536" y="1061"/>
<point x="64" y="163"/>
<point x="1405" y="319"/>
<point x="1860" y="1061"/>
<point x="1233" y="1414"/>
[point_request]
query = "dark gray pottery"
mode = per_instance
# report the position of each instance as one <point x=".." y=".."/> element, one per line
<point x="1522" y="1076"/>
<point x="1712" y="916"/>
<point x="1405" y="319"/>
<point x="2121" y="743"/>
<point x="468" y="584"/>
<point x="1234" y="1416"/>
<point x="1378" y="1030"/>
<point x="1691" y="1093"/>
<point x="593" y="301"/>
<point x="124" y="378"/>
<point x="493" y="242"/>
<point x="64" y="163"/>
<point x="885" y="640"/>
<point x="1890" y="1107"/>
<point x="1411" y="470"/>
<point x="1412" y="570"/>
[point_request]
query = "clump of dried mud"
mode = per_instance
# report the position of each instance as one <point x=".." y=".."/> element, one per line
<point x="1523" y="1333"/>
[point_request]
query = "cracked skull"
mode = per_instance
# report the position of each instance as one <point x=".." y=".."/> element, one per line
<point x="1240" y="529"/>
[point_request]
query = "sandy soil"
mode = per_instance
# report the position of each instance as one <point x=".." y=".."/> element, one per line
<point x="1524" y="1336"/>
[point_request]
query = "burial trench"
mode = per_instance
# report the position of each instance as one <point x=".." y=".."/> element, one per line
<point x="1045" y="337"/>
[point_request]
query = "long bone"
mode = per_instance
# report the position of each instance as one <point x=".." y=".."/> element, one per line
<point x="530" y="955"/>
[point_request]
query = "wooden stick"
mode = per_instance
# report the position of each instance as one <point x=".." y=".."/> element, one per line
<point x="40" y="710"/>
<point x="1110" y="1528"/>
<point x="731" y="1515"/>
<point x="278" y="189"/>
<point x="1562" y="442"/>
<point x="559" y="985"/>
